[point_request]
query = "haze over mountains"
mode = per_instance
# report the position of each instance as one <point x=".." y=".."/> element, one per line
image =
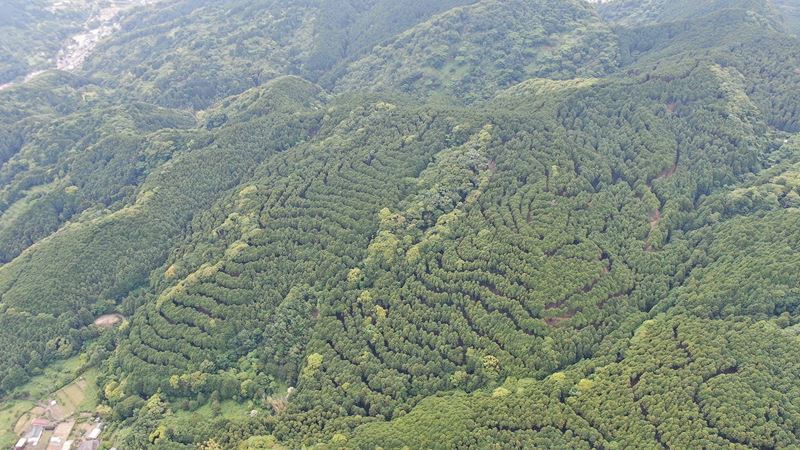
<point x="408" y="223"/>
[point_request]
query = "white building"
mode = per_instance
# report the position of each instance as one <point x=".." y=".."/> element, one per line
<point x="95" y="433"/>
<point x="34" y="435"/>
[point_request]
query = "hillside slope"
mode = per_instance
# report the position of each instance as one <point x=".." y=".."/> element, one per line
<point x="470" y="53"/>
<point x="449" y="224"/>
<point x="192" y="52"/>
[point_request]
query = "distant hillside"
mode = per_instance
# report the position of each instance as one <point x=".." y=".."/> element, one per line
<point x="33" y="32"/>
<point x="790" y="10"/>
<point x="230" y="46"/>
<point x="633" y="12"/>
<point x="470" y="53"/>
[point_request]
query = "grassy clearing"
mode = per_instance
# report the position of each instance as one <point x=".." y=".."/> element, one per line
<point x="79" y="396"/>
<point x="10" y="412"/>
<point x="56" y="375"/>
<point x="228" y="409"/>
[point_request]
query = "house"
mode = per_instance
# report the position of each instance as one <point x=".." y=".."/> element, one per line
<point x="92" y="444"/>
<point x="41" y="422"/>
<point x="95" y="433"/>
<point x="56" y="443"/>
<point x="34" y="435"/>
<point x="67" y="445"/>
<point x="21" y="444"/>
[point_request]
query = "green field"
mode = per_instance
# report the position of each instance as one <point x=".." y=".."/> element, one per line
<point x="53" y="377"/>
<point x="80" y="395"/>
<point x="10" y="412"/>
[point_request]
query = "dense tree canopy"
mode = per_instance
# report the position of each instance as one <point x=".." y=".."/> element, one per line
<point x="445" y="224"/>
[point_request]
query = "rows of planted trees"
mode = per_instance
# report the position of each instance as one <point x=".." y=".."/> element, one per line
<point x="504" y="247"/>
<point x="284" y="240"/>
<point x="544" y="252"/>
<point x="604" y="262"/>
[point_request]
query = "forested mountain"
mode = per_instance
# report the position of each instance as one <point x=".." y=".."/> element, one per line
<point x="411" y="224"/>
<point x="228" y="47"/>
<point x="472" y="52"/>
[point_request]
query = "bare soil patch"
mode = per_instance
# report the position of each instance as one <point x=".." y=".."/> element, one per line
<point x="108" y="320"/>
<point x="669" y="172"/>
<point x="671" y="107"/>
<point x="655" y="219"/>
<point x="555" y="321"/>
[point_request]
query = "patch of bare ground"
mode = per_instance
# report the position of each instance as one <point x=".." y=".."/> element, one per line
<point x="556" y="321"/>
<point x="668" y="172"/>
<point x="655" y="219"/>
<point x="108" y="320"/>
<point x="671" y="107"/>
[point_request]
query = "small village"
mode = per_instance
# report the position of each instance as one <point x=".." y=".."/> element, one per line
<point x="64" y="419"/>
<point x="54" y="430"/>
